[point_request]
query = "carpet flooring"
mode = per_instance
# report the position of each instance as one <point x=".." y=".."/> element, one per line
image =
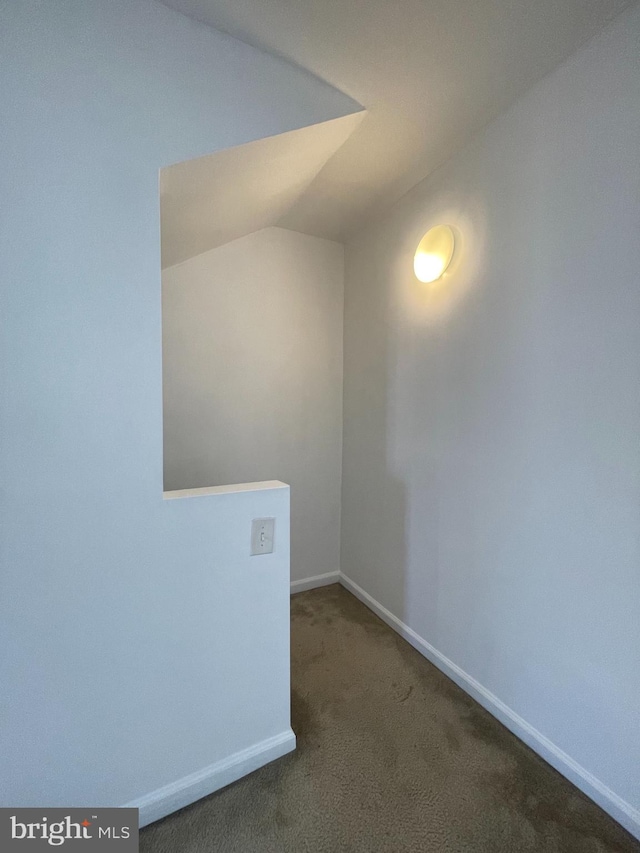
<point x="393" y="757"/>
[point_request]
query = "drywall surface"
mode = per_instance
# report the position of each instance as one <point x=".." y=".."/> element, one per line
<point x="139" y="641"/>
<point x="210" y="201"/>
<point x="252" y="366"/>
<point x="491" y="468"/>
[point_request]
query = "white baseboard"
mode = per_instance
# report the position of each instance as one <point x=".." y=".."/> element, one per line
<point x="177" y="795"/>
<point x="619" y="809"/>
<point x="314" y="582"/>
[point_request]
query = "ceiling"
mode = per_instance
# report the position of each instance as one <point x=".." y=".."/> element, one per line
<point x="212" y="200"/>
<point x="429" y="72"/>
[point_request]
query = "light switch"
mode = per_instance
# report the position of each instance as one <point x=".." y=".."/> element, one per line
<point x="262" y="533"/>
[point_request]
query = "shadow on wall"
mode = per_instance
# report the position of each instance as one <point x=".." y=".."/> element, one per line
<point x="374" y="494"/>
<point x="419" y="392"/>
<point x="393" y="514"/>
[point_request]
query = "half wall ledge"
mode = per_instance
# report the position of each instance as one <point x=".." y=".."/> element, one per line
<point x="266" y="485"/>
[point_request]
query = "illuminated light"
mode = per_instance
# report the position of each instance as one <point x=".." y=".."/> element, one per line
<point x="428" y="267"/>
<point x="434" y="253"/>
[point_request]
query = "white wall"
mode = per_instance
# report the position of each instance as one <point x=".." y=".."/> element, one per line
<point x="491" y="493"/>
<point x="252" y="365"/>
<point x="125" y="662"/>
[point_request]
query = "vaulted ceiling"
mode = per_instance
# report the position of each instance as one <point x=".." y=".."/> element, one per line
<point x="212" y="200"/>
<point x="428" y="72"/>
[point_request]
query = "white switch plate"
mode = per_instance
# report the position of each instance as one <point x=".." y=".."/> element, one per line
<point x="262" y="533"/>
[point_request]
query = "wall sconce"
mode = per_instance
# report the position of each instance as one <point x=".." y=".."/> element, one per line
<point x="434" y="253"/>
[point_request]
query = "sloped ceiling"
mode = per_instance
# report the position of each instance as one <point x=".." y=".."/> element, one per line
<point x="212" y="200"/>
<point x="429" y="72"/>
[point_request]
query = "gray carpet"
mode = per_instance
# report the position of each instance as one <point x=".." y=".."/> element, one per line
<point x="393" y="757"/>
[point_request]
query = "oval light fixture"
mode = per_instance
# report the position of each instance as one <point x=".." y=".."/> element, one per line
<point x="434" y="253"/>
